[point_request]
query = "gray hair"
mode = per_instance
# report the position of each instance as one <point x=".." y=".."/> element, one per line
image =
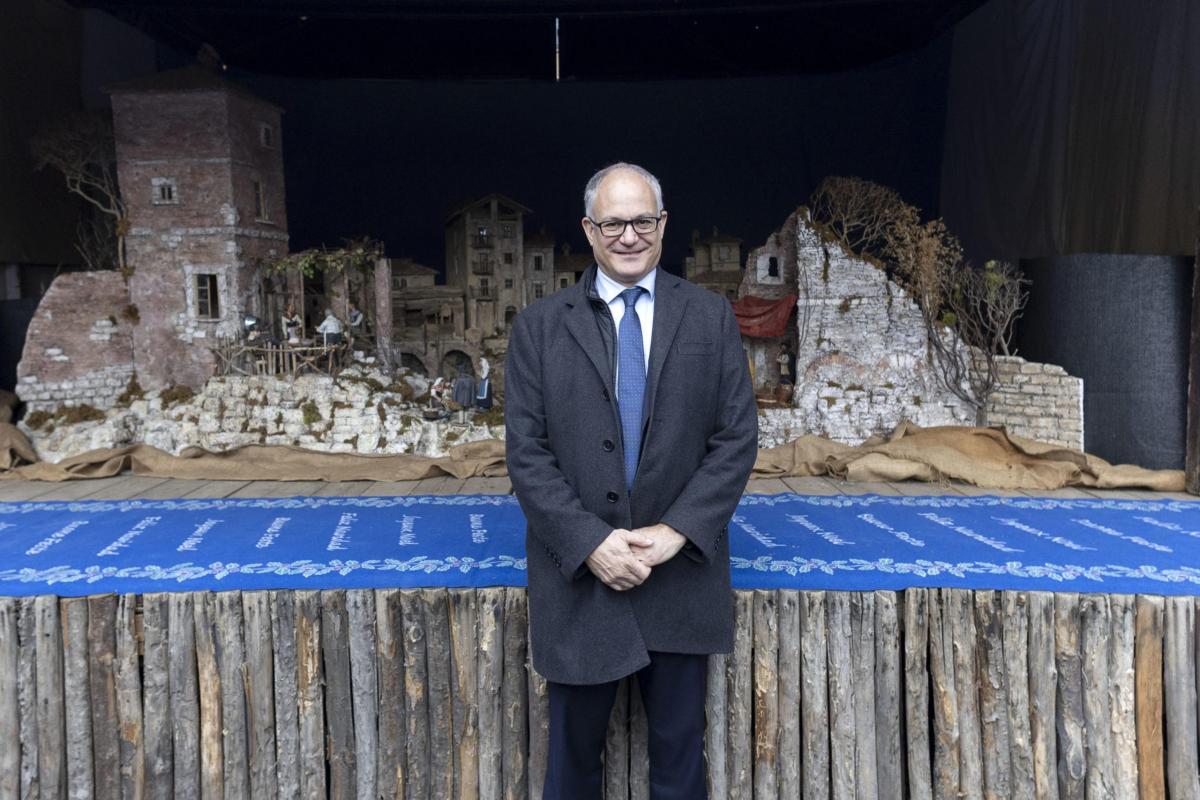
<point x="593" y="185"/>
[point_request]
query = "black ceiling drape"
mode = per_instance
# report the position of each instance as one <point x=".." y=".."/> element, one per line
<point x="1074" y="126"/>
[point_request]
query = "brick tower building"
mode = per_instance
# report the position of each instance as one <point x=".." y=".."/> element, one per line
<point x="201" y="173"/>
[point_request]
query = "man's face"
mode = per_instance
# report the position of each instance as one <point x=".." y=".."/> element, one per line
<point x="629" y="256"/>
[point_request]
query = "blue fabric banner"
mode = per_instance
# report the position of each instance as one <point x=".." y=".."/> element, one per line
<point x="777" y="541"/>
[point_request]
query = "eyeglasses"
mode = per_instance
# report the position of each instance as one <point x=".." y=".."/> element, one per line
<point x="612" y="228"/>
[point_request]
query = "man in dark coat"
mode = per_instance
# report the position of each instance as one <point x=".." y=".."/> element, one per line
<point x="631" y="432"/>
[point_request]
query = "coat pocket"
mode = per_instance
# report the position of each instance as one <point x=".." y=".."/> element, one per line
<point x="696" y="348"/>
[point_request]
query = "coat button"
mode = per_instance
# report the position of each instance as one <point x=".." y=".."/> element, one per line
<point x="608" y="445"/>
<point x="605" y="392"/>
<point x="613" y="497"/>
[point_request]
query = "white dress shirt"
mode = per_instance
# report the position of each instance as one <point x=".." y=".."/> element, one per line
<point x="610" y="292"/>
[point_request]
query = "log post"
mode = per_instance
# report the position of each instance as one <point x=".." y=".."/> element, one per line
<point x="208" y="684"/>
<point x="389" y="632"/>
<point x="789" y="694"/>
<point x="77" y="697"/>
<point x="1043" y="690"/>
<point x="766" y="695"/>
<point x="1148" y="689"/>
<point x="10" y="709"/>
<point x="102" y="688"/>
<point x="184" y="692"/>
<point x="286" y="670"/>
<point x="364" y="688"/>
<point x="1072" y="759"/>
<point x="814" y="701"/>
<point x="916" y="692"/>
<point x="842" y="706"/>
<point x="1015" y="621"/>
<point x="1179" y="679"/>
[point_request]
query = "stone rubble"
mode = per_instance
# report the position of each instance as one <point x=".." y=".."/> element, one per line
<point x="361" y="411"/>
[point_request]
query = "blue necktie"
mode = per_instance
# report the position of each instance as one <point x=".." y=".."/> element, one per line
<point x="631" y="381"/>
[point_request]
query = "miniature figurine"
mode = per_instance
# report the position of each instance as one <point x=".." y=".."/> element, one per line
<point x="463" y="394"/>
<point x="483" y="391"/>
<point x="292" y="325"/>
<point x="354" y="319"/>
<point x="787" y="364"/>
<point x="330" y="329"/>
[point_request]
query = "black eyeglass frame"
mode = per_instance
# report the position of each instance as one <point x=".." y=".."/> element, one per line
<point x="624" y="223"/>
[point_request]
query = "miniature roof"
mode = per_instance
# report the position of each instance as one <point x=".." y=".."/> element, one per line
<point x="540" y="239"/>
<point x="406" y="266"/>
<point x="572" y="262"/>
<point x="192" y="78"/>
<point x="487" y="199"/>
<point x="722" y="238"/>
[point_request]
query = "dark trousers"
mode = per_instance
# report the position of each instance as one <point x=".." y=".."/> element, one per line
<point x="672" y="688"/>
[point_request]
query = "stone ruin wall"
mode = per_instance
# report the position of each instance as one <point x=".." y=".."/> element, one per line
<point x="1038" y="401"/>
<point x="862" y="360"/>
<point x="362" y="411"/>
<point x="78" y="348"/>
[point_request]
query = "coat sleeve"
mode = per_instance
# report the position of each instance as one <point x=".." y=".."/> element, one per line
<point x="555" y="514"/>
<point x="703" y="509"/>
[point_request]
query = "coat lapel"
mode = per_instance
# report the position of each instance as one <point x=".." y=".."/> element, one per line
<point x="669" y="305"/>
<point x="581" y="324"/>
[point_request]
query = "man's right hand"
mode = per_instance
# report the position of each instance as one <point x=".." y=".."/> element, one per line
<point x="616" y="564"/>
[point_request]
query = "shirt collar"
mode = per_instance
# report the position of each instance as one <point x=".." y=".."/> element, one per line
<point x="608" y="289"/>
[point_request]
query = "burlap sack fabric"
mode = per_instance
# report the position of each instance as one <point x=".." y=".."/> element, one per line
<point x="986" y="457"/>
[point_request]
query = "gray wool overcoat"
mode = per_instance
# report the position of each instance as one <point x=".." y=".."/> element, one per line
<point x="563" y="434"/>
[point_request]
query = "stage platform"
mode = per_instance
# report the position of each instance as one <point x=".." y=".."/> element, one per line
<point x="127" y="487"/>
<point x="426" y="692"/>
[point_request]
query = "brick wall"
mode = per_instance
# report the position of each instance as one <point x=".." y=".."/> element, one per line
<point x="209" y="147"/>
<point x="78" y="348"/>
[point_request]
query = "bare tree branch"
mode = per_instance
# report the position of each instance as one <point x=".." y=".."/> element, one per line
<point x="82" y="148"/>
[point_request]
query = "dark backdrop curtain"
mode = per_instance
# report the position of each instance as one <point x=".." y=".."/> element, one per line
<point x="1074" y="126"/>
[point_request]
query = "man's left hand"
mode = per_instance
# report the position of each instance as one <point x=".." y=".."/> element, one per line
<point x="666" y="542"/>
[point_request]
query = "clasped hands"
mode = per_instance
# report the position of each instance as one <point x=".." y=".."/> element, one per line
<point x="625" y="558"/>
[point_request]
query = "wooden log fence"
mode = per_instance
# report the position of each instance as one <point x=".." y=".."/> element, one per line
<point x="929" y="694"/>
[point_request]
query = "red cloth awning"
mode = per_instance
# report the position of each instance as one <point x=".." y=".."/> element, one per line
<point x="763" y="318"/>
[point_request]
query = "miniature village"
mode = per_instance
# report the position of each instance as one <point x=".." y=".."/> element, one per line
<point x="212" y="334"/>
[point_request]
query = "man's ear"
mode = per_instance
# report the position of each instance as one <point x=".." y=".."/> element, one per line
<point x="586" y="224"/>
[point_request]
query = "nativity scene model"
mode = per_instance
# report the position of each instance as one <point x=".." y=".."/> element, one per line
<point x="213" y="334"/>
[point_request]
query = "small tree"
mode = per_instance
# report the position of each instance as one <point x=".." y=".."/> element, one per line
<point x="968" y="312"/>
<point x="82" y="148"/>
<point x="861" y="214"/>
<point x="986" y="302"/>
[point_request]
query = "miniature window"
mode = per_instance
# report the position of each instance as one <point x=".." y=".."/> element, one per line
<point x="484" y="288"/>
<point x="562" y="283"/>
<point x="260" y="202"/>
<point x="537" y="262"/>
<point x="773" y="267"/>
<point x="508" y="258"/>
<point x="539" y="290"/>
<point x="483" y="231"/>
<point x="508" y="283"/>
<point x="207" y="305"/>
<point x="165" y="191"/>
<point x="506" y="231"/>
<point x="723" y="253"/>
<point x="266" y="135"/>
